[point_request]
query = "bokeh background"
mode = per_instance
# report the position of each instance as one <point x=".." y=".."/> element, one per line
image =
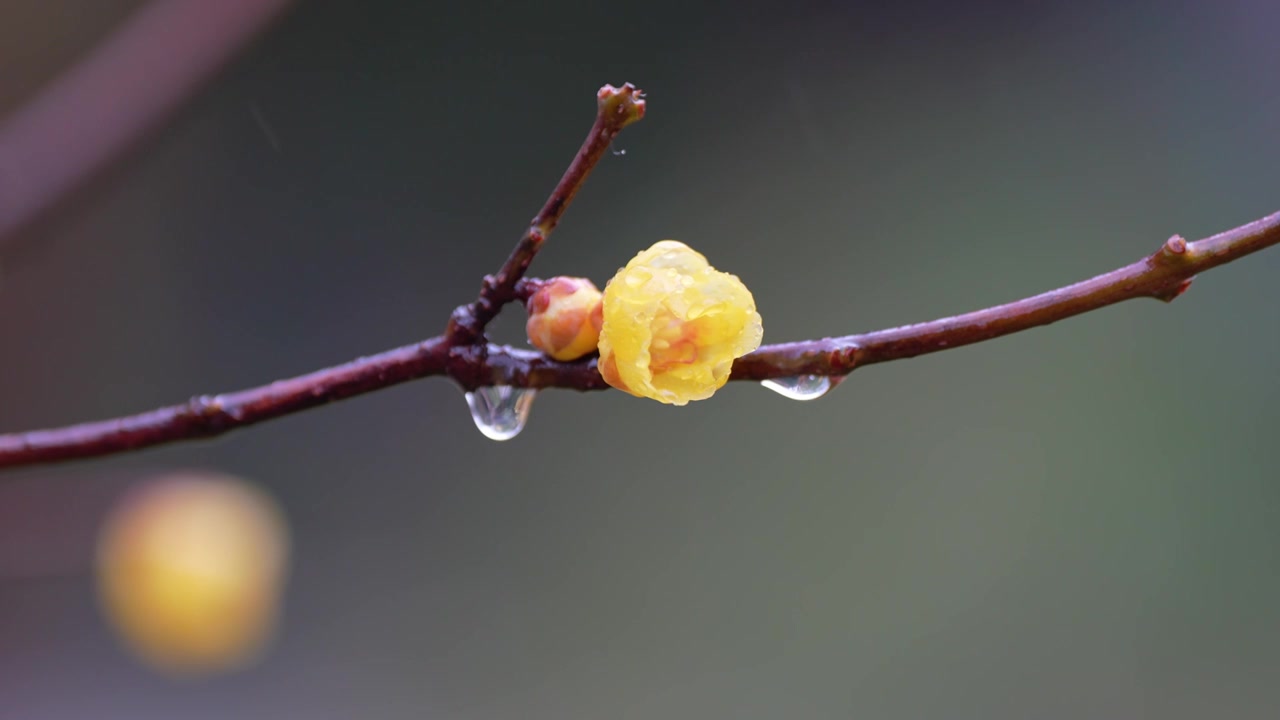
<point x="1080" y="520"/>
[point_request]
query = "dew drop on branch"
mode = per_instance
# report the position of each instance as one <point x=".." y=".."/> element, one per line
<point x="800" y="387"/>
<point x="500" y="411"/>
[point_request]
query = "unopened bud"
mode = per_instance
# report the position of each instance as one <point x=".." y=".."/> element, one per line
<point x="564" y="318"/>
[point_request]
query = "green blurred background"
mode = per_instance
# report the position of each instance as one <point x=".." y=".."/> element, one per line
<point x="1077" y="521"/>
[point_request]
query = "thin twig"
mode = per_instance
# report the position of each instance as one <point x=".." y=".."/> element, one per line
<point x="616" y="108"/>
<point x="109" y="100"/>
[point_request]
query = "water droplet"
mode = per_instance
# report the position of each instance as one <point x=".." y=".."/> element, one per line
<point x="500" y="411"/>
<point x="800" y="387"/>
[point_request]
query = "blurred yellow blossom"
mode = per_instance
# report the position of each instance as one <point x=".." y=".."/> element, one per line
<point x="564" y="318"/>
<point x="673" y="325"/>
<point x="190" y="571"/>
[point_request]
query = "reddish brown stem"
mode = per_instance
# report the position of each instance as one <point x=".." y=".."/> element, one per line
<point x="1163" y="275"/>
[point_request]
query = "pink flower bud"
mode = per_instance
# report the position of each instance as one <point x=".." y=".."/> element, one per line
<point x="564" y="318"/>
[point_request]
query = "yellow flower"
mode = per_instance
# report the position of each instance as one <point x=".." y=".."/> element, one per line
<point x="673" y="325"/>
<point x="564" y="318"/>
<point x="191" y="569"/>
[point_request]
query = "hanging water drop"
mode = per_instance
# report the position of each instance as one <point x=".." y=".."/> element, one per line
<point x="800" y="387"/>
<point x="500" y="411"/>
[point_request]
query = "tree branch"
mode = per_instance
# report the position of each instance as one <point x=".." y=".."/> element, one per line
<point x="463" y="352"/>
<point x="1164" y="275"/>
<point x="106" y="102"/>
<point x="464" y="355"/>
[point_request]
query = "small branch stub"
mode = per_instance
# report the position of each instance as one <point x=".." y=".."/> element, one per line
<point x="620" y="106"/>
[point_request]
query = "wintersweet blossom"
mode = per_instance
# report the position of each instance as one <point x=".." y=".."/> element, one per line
<point x="191" y="569"/>
<point x="564" y="318"/>
<point x="673" y="325"/>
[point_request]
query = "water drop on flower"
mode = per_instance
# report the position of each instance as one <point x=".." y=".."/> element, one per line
<point x="500" y="411"/>
<point x="800" y="387"/>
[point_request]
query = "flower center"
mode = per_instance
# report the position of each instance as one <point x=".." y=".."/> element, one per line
<point x="674" y="343"/>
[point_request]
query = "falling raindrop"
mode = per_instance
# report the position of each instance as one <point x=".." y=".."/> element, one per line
<point x="800" y="387"/>
<point x="500" y="411"/>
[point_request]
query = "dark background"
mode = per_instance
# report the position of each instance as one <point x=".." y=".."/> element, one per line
<point x="1075" y="521"/>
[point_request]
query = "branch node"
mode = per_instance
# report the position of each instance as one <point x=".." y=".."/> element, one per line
<point x="525" y="289"/>
<point x="1172" y="293"/>
<point x="467" y="365"/>
<point x="209" y="411"/>
<point x="1174" y="248"/>
<point x="844" y="360"/>
<point x="462" y="328"/>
